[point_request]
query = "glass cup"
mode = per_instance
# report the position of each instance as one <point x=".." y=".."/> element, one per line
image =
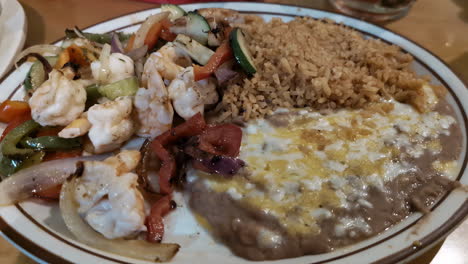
<point x="374" y="10"/>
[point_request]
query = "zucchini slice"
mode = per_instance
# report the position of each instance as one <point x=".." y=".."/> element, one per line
<point x="195" y="50"/>
<point x="36" y="75"/>
<point x="241" y="51"/>
<point x="197" y="27"/>
<point x="175" y="10"/>
<point x="125" y="87"/>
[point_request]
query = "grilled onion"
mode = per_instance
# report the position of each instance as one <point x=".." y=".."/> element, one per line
<point x="46" y="175"/>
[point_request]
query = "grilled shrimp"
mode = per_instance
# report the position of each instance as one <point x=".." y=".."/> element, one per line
<point x="154" y="111"/>
<point x="58" y="101"/>
<point x="169" y="61"/>
<point x="188" y="96"/>
<point x="120" y="67"/>
<point x="108" y="197"/>
<point x="111" y="124"/>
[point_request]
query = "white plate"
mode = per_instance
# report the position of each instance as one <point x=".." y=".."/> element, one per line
<point x="36" y="226"/>
<point x="12" y="32"/>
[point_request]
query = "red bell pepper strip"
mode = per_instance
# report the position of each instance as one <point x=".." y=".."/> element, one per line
<point x="153" y="35"/>
<point x="129" y="46"/>
<point x="192" y="127"/>
<point x="168" y="167"/>
<point x="166" y="33"/>
<point x="224" y="140"/>
<point x="223" y="53"/>
<point x="154" y="222"/>
<point x="9" y="110"/>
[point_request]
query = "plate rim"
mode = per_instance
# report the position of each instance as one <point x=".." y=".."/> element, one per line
<point x="441" y="231"/>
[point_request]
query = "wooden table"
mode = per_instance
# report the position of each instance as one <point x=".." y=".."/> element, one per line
<point x="439" y="25"/>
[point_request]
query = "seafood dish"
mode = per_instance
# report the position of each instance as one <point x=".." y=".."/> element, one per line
<point x="285" y="138"/>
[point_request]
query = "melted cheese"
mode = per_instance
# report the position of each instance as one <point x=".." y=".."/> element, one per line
<point x="328" y="161"/>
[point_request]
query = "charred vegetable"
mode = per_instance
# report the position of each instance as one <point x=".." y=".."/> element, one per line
<point x="99" y="38"/>
<point x="37" y="75"/>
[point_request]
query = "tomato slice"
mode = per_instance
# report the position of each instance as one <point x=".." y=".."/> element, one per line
<point x="192" y="127"/>
<point x="155" y="222"/>
<point x="9" y="110"/>
<point x="224" y="140"/>
<point x="167" y="169"/>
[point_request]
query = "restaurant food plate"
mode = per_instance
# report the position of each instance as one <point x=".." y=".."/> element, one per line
<point x="37" y="229"/>
<point x="12" y="32"/>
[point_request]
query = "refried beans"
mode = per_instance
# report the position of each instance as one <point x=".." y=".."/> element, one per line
<point x="319" y="181"/>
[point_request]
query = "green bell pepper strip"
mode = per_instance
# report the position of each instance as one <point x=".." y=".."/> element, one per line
<point x="9" y="166"/>
<point x="92" y="95"/>
<point x="125" y="87"/>
<point x="51" y="143"/>
<point x="9" y="143"/>
<point x="32" y="160"/>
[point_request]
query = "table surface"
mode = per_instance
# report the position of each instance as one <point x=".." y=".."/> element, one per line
<point x="440" y="26"/>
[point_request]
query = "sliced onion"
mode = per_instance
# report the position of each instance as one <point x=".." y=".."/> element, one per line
<point x="139" y="53"/>
<point x="139" y="66"/>
<point x="146" y="26"/>
<point x="84" y="43"/>
<point x="104" y="58"/>
<point x="116" y="45"/>
<point x="40" y="49"/>
<point x="221" y="165"/>
<point x="139" y="249"/>
<point x="225" y="72"/>
<point x="46" y="175"/>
